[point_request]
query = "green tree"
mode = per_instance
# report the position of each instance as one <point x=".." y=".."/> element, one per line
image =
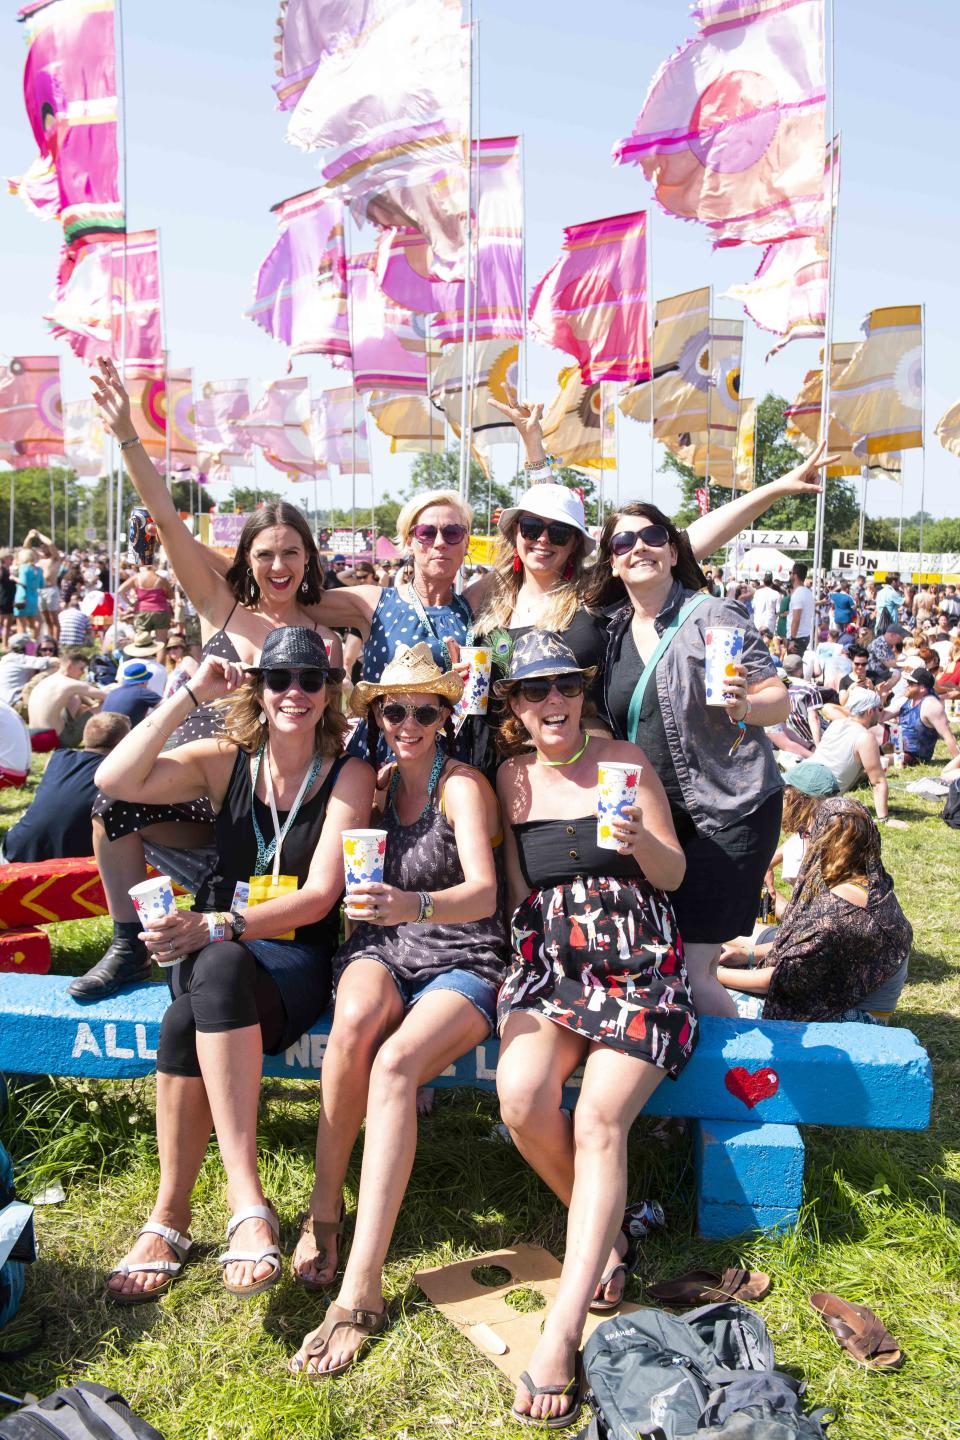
<point x="441" y="471"/>
<point x="189" y="496"/>
<point x="31" y="491"/>
<point x="244" y="498"/>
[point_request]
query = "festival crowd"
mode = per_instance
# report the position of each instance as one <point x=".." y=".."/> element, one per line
<point x="234" y="719"/>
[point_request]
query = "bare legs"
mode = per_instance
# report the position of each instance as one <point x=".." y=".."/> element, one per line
<point x="585" y="1163"/>
<point x="709" y="996"/>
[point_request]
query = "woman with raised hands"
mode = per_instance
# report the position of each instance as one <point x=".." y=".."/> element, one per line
<point x="597" y="979"/>
<point x="416" y="987"/>
<point x="274" y="580"/>
<point x="245" y="980"/>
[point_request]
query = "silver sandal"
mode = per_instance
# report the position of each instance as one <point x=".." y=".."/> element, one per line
<point x="254" y="1257"/>
<point x="170" y="1269"/>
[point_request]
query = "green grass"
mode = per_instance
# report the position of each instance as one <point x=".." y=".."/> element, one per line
<point x="881" y="1225"/>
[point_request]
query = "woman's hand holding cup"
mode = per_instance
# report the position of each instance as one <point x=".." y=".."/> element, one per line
<point x="381" y="904"/>
<point x="735" y="699"/>
<point x="627" y="828"/>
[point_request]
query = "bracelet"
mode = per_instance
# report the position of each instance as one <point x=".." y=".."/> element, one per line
<point x="549" y="462"/>
<point x="421" y="896"/>
<point x="127" y="444"/>
<point x="193" y="697"/>
<point x="882" y="819"/>
<point x="216" y="925"/>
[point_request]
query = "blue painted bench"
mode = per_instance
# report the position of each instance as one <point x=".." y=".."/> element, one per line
<point x="747" y="1087"/>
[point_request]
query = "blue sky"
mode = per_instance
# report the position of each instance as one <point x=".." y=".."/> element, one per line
<point x="207" y="158"/>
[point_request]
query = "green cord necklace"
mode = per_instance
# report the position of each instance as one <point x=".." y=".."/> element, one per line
<point x="573" y="758"/>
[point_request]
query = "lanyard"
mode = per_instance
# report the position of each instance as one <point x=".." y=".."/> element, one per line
<point x="272" y="851"/>
<point x="636" y="699"/>
<point x="458" y="605"/>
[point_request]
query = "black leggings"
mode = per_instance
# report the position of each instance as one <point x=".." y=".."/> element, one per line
<point x="220" y="988"/>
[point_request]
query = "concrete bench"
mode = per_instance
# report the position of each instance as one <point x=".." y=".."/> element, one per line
<point x="747" y="1087"/>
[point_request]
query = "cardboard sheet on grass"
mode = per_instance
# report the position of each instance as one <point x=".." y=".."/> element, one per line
<point x="506" y="1336"/>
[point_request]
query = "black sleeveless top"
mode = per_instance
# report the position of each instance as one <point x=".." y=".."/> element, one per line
<point x="237" y="847"/>
<point x="204" y="722"/>
<point x="554" y="852"/>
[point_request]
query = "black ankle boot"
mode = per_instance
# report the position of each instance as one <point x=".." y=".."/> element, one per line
<point x="125" y="963"/>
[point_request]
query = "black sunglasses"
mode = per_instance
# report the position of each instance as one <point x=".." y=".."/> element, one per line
<point x="536" y="690"/>
<point x="531" y="527"/>
<point x="424" y="715"/>
<point x="624" y="540"/>
<point x="309" y="681"/>
<point x="452" y="534"/>
<point x="46" y="651"/>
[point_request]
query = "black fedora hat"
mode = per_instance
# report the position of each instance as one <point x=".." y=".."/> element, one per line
<point x="294" y="647"/>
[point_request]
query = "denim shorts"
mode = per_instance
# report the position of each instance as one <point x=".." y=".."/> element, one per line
<point x="481" y="993"/>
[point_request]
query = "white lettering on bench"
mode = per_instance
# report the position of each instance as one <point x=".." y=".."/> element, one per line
<point x="84" y="1042"/>
<point x="143" y="1050"/>
<point x="115" y="1051"/>
<point x="306" y="1053"/>
<point x="483" y="1072"/>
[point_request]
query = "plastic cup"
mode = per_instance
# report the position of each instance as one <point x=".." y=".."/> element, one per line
<point x="476" y="689"/>
<point x="616" y="788"/>
<point x="363" y="856"/>
<point x="724" y="649"/>
<point x="152" y="900"/>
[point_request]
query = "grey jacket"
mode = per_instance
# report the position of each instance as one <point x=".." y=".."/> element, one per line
<point x="717" y="789"/>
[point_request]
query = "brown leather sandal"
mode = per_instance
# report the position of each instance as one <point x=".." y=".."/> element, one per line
<point x="709" y="1287"/>
<point x="324" y="1234"/>
<point x="317" y="1343"/>
<point x="857" y="1330"/>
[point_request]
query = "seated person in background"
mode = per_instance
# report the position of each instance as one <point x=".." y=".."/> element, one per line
<point x="800" y="732"/>
<point x="147" y="650"/>
<point x="848" y="749"/>
<point x="131" y="696"/>
<point x="63" y="700"/>
<point x="883" y="652"/>
<point x="17" y="667"/>
<point x="801" y="801"/>
<point x="76" y="628"/>
<point x="858" y="677"/>
<point x="948" y="681"/>
<point x="922" y="718"/>
<point x="57" y="824"/>
<point x="842" y="948"/>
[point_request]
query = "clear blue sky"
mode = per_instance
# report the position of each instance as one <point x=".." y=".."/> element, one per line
<point x="207" y="158"/>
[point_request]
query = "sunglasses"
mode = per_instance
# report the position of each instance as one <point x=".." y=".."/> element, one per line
<point x="309" y="681"/>
<point x="653" y="535"/>
<point x="535" y="691"/>
<point x="395" y="713"/>
<point x="46" y="652"/>
<point x="452" y="534"/>
<point x="531" y="527"/>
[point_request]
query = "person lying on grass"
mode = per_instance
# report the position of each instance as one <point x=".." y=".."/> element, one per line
<point x="842" y="947"/>
<point x="247" y="981"/>
<point x="416" y="987"/>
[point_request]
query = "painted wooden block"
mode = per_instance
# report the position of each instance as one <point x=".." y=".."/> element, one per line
<point x="42" y="892"/>
<point x="25" y="952"/>
<point x="749" y="1176"/>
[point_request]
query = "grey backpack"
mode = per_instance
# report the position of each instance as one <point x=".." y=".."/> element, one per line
<point x="708" y="1373"/>
<point x="84" y="1411"/>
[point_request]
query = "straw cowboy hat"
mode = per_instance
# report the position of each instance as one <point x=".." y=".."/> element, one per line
<point x="412" y="670"/>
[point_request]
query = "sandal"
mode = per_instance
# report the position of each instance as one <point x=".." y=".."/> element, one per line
<point x="857" y="1330"/>
<point x="170" y="1269"/>
<point x="324" y="1234"/>
<point x="316" y="1345"/>
<point x="255" y="1257"/>
<point x="628" y="1264"/>
<point x="573" y="1387"/>
<point x="709" y="1287"/>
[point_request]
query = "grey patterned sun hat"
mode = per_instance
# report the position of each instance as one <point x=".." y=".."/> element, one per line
<point x="541" y="652"/>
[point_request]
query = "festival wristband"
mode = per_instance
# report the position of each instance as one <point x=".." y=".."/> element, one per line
<point x="193" y="697"/>
<point x="216" y="925"/>
<point x="128" y="444"/>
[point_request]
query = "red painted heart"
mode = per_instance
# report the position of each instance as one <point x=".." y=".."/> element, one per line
<point x="751" y="1089"/>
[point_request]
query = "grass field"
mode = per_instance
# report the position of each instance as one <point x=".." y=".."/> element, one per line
<point x="881" y="1226"/>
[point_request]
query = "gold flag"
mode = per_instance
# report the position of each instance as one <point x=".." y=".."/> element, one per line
<point x="579" y="425"/>
<point x="878" y="396"/>
<point x="681" y="368"/>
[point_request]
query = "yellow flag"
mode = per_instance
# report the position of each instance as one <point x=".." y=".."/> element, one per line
<point x="681" y="368"/>
<point x="579" y="425"/>
<point x="948" y="430"/>
<point x="879" y="395"/>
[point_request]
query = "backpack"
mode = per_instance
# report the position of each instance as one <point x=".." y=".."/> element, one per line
<point x="710" y="1372"/>
<point x="84" y="1411"/>
<point x="16" y="1241"/>
<point x="103" y="669"/>
<point x="951" y="810"/>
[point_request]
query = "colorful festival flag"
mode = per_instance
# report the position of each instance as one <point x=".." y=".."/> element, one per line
<point x="389" y="112"/>
<point x="723" y="394"/>
<point x="301" y="290"/>
<point x="389" y="343"/>
<point x="220" y="407"/>
<point x="404" y="259"/>
<point x="280" y="425"/>
<point x="340" y="430"/>
<point x="676" y="397"/>
<point x="70" y="92"/>
<point x="309" y="30"/>
<point x="148" y="409"/>
<point x="31" y="413"/>
<point x="91" y="303"/>
<point x="803" y="421"/>
<point x="84" y="438"/>
<point x="181" y="420"/>
<point x="948" y="429"/>
<point x="493" y="370"/>
<point x="745" y="455"/>
<point x="593" y="302"/>
<point x="731" y="131"/>
<point x="409" y="421"/>
<point x="879" y="394"/>
<point x="580" y="427"/>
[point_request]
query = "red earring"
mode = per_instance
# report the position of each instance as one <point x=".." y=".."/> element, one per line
<point x="568" y="570"/>
<point x="517" y="564"/>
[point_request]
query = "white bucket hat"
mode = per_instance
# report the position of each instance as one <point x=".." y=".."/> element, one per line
<point x="550" y="502"/>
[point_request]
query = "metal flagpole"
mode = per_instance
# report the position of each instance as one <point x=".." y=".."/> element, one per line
<point x="10" y="540"/>
<point x="353" y="390"/>
<point x="651" y="325"/>
<point x="465" y="409"/>
<point x="115" y="460"/>
<point x="53" y="511"/>
<point x="66" y="514"/>
<point x="828" y="325"/>
<point x="900" y="526"/>
<point x="864" y="477"/>
<point x="923" y="423"/>
<point x="522" y="381"/>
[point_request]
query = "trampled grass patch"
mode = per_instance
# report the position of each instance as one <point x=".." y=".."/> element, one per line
<point x="881" y="1225"/>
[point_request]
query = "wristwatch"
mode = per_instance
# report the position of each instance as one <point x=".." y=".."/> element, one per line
<point x="238" y="923"/>
<point x="426" y="906"/>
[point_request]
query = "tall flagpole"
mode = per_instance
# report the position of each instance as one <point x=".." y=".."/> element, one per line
<point x="465" y="408"/>
<point x="522" y="379"/>
<point x="923" y="423"/>
<point x="115" y="460"/>
<point x="864" y="477"/>
<point x="832" y="210"/>
<point x="353" y="390"/>
<point x="651" y="326"/>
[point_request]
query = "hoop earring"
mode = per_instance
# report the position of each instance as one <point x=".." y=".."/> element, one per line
<point x="517" y="564"/>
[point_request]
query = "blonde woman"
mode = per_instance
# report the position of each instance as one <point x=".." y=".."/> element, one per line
<point x="239" y="987"/>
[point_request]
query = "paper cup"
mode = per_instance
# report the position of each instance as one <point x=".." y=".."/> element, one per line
<point x="616" y="788"/>
<point x="152" y="900"/>
<point x="363" y="856"/>
<point x="724" y="650"/>
<point x="476" y="689"/>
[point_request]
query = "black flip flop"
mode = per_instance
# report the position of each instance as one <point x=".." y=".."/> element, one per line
<point x="555" y="1422"/>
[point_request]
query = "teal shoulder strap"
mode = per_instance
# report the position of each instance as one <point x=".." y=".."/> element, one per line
<point x="636" y="699"/>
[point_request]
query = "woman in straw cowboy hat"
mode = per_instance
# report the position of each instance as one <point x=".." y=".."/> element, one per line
<point x="416" y="987"/>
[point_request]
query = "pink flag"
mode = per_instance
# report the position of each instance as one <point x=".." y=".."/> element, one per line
<point x="340" y="430"/>
<point x="731" y="131"/>
<point x="301" y="296"/>
<point x="310" y="30"/>
<point x="70" y="92"/>
<point x="31" y="414"/>
<point x="404" y="259"/>
<point x="389" y="343"/>
<point x="89" y="307"/>
<point x="280" y="425"/>
<point x="220" y="407"/>
<point x="389" y="113"/>
<point x="593" y="302"/>
<point x="181" y="420"/>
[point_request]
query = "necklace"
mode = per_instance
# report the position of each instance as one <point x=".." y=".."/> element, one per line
<point x="439" y="760"/>
<point x="571" y="761"/>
